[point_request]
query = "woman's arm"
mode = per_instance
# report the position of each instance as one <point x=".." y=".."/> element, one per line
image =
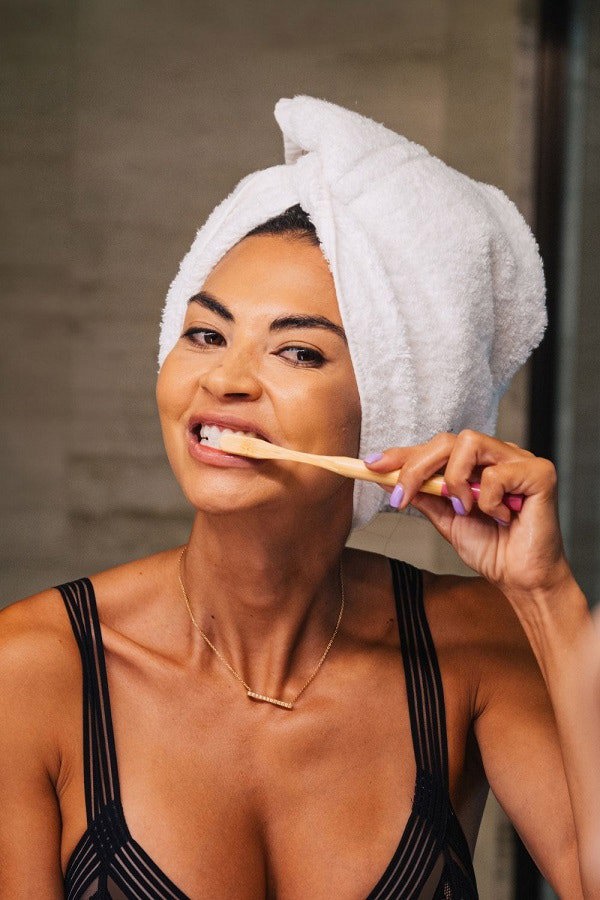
<point x="30" y="823"/>
<point x="519" y="742"/>
<point x="586" y="751"/>
<point x="531" y="739"/>
<point x="557" y="625"/>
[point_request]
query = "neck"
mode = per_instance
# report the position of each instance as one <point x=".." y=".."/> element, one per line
<point x="266" y="593"/>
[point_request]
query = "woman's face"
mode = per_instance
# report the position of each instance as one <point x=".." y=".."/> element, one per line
<point x="262" y="350"/>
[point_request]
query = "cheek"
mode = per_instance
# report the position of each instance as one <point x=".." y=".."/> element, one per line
<point x="173" y="389"/>
<point x="346" y="402"/>
<point x="332" y="417"/>
<point x="348" y="420"/>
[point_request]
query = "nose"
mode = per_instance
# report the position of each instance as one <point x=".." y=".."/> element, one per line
<point x="231" y="374"/>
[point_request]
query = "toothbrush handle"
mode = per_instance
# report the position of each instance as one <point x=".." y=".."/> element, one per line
<point x="513" y="501"/>
<point x="356" y="469"/>
<point x="438" y="486"/>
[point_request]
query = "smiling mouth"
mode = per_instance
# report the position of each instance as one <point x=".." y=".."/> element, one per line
<point x="210" y="435"/>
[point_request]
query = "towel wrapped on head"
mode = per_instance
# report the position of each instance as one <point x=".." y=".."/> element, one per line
<point x="438" y="277"/>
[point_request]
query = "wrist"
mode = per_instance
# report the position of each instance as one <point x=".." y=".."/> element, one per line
<point x="545" y="591"/>
<point x="555" y="615"/>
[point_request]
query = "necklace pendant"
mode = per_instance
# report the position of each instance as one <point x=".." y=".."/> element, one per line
<point x="263" y="697"/>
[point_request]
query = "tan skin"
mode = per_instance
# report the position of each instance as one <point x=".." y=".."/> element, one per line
<point x="586" y="676"/>
<point x="237" y="799"/>
<point x="576" y="693"/>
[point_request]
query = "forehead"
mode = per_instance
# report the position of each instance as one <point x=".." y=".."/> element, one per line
<point x="275" y="273"/>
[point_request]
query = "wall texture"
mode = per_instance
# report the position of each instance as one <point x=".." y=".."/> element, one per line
<point x="126" y="123"/>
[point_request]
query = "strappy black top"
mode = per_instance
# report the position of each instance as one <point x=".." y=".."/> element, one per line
<point x="432" y="859"/>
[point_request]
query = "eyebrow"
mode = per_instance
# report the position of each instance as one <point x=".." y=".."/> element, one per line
<point x="208" y="301"/>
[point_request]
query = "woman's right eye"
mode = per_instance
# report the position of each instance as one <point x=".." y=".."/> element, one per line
<point x="203" y="337"/>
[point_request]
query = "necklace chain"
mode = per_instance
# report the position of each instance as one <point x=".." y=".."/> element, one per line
<point x="253" y="695"/>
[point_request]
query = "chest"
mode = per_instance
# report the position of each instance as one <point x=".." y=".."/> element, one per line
<point x="233" y="798"/>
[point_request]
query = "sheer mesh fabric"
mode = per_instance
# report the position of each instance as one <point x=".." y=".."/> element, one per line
<point x="432" y="860"/>
<point x="107" y="862"/>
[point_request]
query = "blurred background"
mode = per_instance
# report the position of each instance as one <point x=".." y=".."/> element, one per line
<point x="126" y="122"/>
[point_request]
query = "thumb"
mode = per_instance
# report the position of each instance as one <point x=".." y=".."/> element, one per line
<point x="437" y="510"/>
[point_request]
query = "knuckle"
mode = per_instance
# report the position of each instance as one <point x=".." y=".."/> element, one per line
<point x="455" y="485"/>
<point x="519" y="448"/>
<point x="409" y="473"/>
<point x="489" y="477"/>
<point x="549" y="472"/>
<point x="444" y="437"/>
<point x="491" y="491"/>
<point x="468" y="437"/>
<point x="393" y="457"/>
<point x="487" y="507"/>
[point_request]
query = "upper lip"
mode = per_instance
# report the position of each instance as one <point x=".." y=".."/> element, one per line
<point x="227" y="421"/>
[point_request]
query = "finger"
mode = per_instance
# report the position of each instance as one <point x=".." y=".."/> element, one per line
<point x="492" y="490"/>
<point x="530" y="476"/>
<point x="522" y="449"/>
<point x="472" y="447"/>
<point x="470" y="451"/>
<point x="387" y="460"/>
<point x="421" y="463"/>
<point x="459" y="469"/>
<point x="438" y="511"/>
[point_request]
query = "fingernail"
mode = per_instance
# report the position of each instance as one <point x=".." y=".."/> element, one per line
<point x="372" y="457"/>
<point x="396" y="496"/>
<point x="501" y="522"/>
<point x="458" y="506"/>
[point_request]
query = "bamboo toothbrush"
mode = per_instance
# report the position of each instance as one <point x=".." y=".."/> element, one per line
<point x="344" y="465"/>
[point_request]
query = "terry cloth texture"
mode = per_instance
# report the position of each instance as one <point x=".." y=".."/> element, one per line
<point x="439" y="280"/>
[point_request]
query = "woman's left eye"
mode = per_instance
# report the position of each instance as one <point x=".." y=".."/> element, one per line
<point x="305" y="356"/>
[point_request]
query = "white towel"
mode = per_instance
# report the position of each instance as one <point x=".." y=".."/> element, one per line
<point x="439" y="280"/>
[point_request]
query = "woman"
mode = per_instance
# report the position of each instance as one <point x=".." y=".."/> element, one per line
<point x="267" y="713"/>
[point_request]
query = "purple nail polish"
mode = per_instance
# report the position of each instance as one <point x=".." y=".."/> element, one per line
<point x="458" y="506"/>
<point x="396" y="496"/>
<point x="501" y="522"/>
<point x="373" y="457"/>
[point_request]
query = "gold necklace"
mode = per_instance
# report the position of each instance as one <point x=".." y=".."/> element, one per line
<point x="254" y="695"/>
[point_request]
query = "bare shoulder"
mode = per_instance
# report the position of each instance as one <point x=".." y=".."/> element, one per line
<point x="40" y="664"/>
<point x="473" y="609"/>
<point x="34" y="636"/>
<point x="474" y="619"/>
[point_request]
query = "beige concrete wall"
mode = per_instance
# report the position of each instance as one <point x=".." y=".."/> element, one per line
<point x="126" y="123"/>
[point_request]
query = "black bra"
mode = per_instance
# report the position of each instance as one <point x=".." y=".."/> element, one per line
<point x="432" y="859"/>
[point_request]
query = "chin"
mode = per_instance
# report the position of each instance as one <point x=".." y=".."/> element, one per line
<point x="214" y="496"/>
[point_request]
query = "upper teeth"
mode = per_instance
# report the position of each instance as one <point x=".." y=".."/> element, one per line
<point x="211" y="434"/>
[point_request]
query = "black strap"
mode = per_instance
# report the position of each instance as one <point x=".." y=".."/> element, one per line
<point x="100" y="760"/>
<point x="424" y="687"/>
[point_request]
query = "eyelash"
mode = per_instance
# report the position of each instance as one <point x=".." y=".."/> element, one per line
<point x="314" y="363"/>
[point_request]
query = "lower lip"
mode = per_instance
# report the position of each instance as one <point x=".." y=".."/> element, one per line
<point x="211" y="456"/>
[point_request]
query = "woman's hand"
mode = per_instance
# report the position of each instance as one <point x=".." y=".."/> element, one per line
<point x="525" y="559"/>
<point x="517" y="552"/>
